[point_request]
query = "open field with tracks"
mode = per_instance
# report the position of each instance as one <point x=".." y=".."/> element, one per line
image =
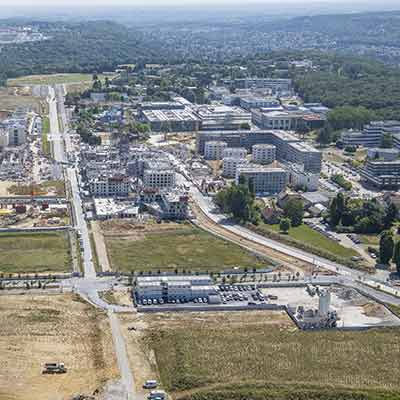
<point x="50" y="79"/>
<point x="56" y="328"/>
<point x="40" y="252"/>
<point x="262" y="355"/>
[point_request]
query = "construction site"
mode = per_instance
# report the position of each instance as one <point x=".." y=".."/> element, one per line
<point x="317" y="307"/>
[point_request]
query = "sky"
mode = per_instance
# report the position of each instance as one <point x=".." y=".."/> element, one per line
<point x="87" y="3"/>
<point x="148" y="10"/>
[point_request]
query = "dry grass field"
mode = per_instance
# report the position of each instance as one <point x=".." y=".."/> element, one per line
<point x="225" y="356"/>
<point x="57" y="328"/>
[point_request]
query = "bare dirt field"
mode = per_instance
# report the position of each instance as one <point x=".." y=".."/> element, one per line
<point x="5" y="186"/>
<point x="53" y="328"/>
<point x="12" y="98"/>
<point x="118" y="297"/>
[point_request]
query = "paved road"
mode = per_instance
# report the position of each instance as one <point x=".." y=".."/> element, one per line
<point x="81" y="225"/>
<point x="55" y="136"/>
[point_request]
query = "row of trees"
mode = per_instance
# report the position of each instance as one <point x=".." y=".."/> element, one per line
<point x="389" y="250"/>
<point x="361" y="216"/>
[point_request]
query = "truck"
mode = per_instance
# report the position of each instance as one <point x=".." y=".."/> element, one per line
<point x="54" y="368"/>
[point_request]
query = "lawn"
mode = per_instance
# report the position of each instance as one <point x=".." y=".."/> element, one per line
<point x="209" y="354"/>
<point x="306" y="235"/>
<point x="370" y="240"/>
<point x="183" y="248"/>
<point x="34" y="252"/>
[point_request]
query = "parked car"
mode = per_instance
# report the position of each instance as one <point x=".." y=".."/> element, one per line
<point x="150" y="384"/>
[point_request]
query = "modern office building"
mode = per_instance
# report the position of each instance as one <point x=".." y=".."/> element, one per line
<point x="282" y="120"/>
<point x="275" y="85"/>
<point x="371" y="135"/>
<point x="306" y="155"/>
<point x="264" y="153"/>
<point x="382" y="174"/>
<point x="222" y="117"/>
<point x="171" y="120"/>
<point x="249" y="102"/>
<point x="161" y="105"/>
<point x="383" y="154"/>
<point x="269" y="180"/>
<point x="214" y="150"/>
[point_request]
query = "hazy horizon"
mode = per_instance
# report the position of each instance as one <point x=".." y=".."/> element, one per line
<point x="141" y="11"/>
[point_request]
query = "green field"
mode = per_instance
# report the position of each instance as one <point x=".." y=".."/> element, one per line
<point x="234" y="357"/>
<point x="45" y="132"/>
<point x="50" y="79"/>
<point x="186" y="248"/>
<point x="34" y="252"/>
<point x="306" y="235"/>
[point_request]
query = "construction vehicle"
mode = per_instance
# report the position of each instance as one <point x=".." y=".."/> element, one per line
<point x="54" y="368"/>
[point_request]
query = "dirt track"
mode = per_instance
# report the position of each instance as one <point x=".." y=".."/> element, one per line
<point x="288" y="263"/>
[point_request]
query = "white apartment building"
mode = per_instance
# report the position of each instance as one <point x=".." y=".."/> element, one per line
<point x="264" y="153"/>
<point x="235" y="152"/>
<point x="263" y="179"/>
<point x="159" y="178"/>
<point x="110" y="186"/>
<point x="214" y="150"/>
<point x="231" y="164"/>
<point x="298" y="177"/>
